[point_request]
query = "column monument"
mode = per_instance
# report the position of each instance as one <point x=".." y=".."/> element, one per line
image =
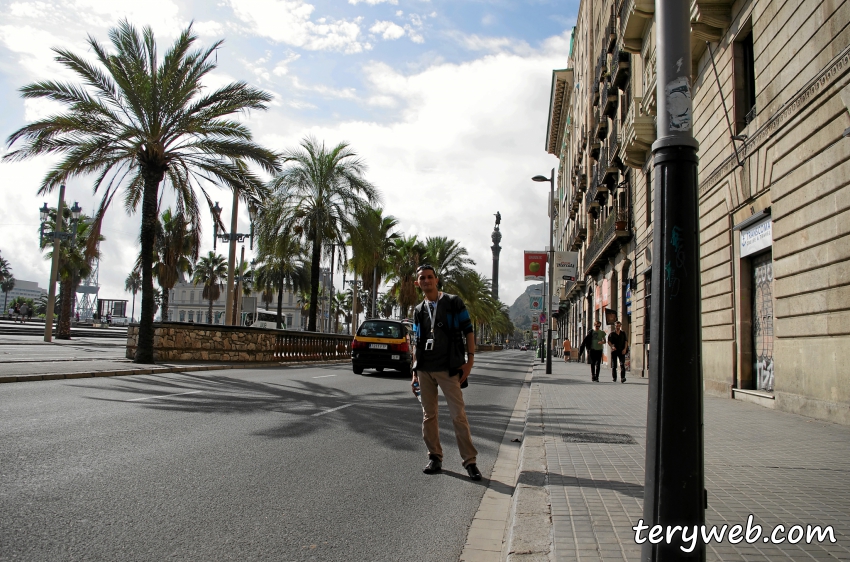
<point x="496" y="237"/>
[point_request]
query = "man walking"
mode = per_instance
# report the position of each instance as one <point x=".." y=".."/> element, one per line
<point x="24" y="312"/>
<point x="597" y="341"/>
<point x="619" y="345"/>
<point x="444" y="338"/>
<point x="568" y="348"/>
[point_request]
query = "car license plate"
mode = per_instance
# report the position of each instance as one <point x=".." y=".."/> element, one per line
<point x="396" y="357"/>
<point x="377" y="346"/>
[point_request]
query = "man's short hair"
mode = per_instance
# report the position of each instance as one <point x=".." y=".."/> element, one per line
<point x="425" y="266"/>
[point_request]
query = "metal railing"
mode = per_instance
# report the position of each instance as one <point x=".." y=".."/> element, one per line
<point x="602" y="238"/>
<point x="750" y="116"/>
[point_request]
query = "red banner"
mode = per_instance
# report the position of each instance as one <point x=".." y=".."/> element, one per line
<point x="535" y="266"/>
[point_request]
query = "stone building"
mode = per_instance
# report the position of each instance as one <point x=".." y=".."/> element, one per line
<point x="186" y="304"/>
<point x="771" y="92"/>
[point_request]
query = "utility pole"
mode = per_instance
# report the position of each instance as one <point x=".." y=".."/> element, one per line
<point x="674" y="491"/>
<point x="231" y="261"/>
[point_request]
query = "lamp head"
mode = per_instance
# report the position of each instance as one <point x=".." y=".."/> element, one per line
<point x="75" y="211"/>
<point x="540" y="178"/>
<point x="216" y="209"/>
<point x="44" y="212"/>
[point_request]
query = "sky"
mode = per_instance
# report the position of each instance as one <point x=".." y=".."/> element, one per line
<point x="446" y="102"/>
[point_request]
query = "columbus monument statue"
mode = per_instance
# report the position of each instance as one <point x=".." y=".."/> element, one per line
<point x="496" y="237"/>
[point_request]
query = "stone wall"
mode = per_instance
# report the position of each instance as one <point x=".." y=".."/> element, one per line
<point x="174" y="341"/>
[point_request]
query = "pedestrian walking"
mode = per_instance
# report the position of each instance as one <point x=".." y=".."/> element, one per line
<point x="567" y="349"/>
<point x="594" y="347"/>
<point x="445" y="348"/>
<point x="619" y="345"/>
<point x="24" y="312"/>
<point x="17" y="312"/>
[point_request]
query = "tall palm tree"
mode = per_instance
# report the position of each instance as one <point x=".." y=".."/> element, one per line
<point x="5" y="269"/>
<point x="76" y="258"/>
<point x="132" y="285"/>
<point x="408" y="254"/>
<point x="6" y="286"/>
<point x="283" y="264"/>
<point x="139" y="119"/>
<point x="319" y="190"/>
<point x="449" y="258"/>
<point x="372" y="238"/>
<point x="178" y="243"/>
<point x="211" y="272"/>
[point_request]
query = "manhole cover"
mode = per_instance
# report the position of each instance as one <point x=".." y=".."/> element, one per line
<point x="595" y="437"/>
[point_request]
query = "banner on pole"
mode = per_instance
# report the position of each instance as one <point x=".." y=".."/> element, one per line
<point x="566" y="265"/>
<point x="535" y="302"/>
<point x="535" y="266"/>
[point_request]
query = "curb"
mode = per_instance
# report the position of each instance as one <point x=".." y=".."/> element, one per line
<point x="159" y="370"/>
<point x="487" y="539"/>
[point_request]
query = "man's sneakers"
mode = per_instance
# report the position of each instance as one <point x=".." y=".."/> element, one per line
<point x="434" y="466"/>
<point x="472" y="470"/>
<point x="623" y="379"/>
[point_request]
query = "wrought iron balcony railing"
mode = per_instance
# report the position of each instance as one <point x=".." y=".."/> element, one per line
<point x="606" y="240"/>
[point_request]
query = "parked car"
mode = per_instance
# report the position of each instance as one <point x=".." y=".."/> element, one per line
<point x="523" y="348"/>
<point x="382" y="344"/>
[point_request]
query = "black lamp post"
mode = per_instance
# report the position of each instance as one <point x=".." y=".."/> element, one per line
<point x="550" y="259"/>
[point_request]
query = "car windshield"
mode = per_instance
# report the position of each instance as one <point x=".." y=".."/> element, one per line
<point x="378" y="329"/>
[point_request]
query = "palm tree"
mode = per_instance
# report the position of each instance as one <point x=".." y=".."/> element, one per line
<point x="6" y="286"/>
<point x="132" y="285"/>
<point x="449" y="258"/>
<point x="76" y="257"/>
<point x="283" y="265"/>
<point x="5" y="269"/>
<point x="408" y="254"/>
<point x="139" y="119"/>
<point x="320" y="189"/>
<point x="211" y="272"/>
<point x="372" y="238"/>
<point x="178" y="242"/>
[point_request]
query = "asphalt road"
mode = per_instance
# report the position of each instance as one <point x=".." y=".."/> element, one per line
<point x="311" y="463"/>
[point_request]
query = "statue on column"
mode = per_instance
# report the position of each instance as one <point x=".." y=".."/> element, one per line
<point x="496" y="237"/>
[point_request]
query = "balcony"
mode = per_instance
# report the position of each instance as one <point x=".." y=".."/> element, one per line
<point x="573" y="289"/>
<point x="709" y="21"/>
<point x="578" y="233"/>
<point x="594" y="98"/>
<point x="594" y="148"/>
<point x="649" y="80"/>
<point x="620" y="67"/>
<point x="638" y="135"/>
<point x="581" y="182"/>
<point x="614" y="140"/>
<point x="602" y="127"/>
<point x="597" y="193"/>
<point x="610" y="37"/>
<point x="634" y="16"/>
<point x="609" y="98"/>
<point x="606" y="241"/>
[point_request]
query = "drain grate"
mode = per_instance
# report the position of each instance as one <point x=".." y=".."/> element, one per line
<point x="596" y="437"/>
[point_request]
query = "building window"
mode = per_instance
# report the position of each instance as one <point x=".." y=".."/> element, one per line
<point x="191" y="316"/>
<point x="291" y="299"/>
<point x="183" y="296"/>
<point x="647" y="305"/>
<point x="648" y="201"/>
<point x="745" y="78"/>
<point x="288" y="320"/>
<point x="191" y="296"/>
<point x="182" y="315"/>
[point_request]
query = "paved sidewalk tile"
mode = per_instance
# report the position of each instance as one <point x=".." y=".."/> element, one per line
<point x="781" y="468"/>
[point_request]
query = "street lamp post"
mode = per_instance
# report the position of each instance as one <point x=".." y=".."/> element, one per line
<point x="550" y="260"/>
<point x="57" y="236"/>
<point x="674" y="478"/>
<point x="232" y="238"/>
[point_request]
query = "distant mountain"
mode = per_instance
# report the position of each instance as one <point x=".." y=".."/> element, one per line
<point x="520" y="310"/>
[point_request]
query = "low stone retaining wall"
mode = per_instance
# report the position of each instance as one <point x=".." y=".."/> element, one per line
<point x="176" y="341"/>
<point x="489" y="347"/>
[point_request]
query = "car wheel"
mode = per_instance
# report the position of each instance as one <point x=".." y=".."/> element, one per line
<point x="358" y="370"/>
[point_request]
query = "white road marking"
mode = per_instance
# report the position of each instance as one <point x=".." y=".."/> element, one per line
<point x="323" y="376"/>
<point x="332" y="410"/>
<point x="164" y="396"/>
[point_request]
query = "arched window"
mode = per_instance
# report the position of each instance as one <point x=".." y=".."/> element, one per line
<point x="191" y="316"/>
<point x="182" y="315"/>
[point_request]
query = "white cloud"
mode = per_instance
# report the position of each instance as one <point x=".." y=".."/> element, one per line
<point x="468" y="139"/>
<point x="161" y="15"/>
<point x="373" y="2"/>
<point x="208" y="28"/>
<point x="387" y="30"/>
<point x="289" y="22"/>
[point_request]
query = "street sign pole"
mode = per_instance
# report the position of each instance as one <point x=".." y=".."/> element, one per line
<point x="674" y="491"/>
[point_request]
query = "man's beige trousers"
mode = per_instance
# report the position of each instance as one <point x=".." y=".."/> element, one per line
<point x="428" y="383"/>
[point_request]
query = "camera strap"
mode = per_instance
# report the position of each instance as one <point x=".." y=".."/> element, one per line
<point x="432" y="316"/>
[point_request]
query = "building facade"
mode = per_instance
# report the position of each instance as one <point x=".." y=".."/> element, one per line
<point x="186" y="304"/>
<point x="26" y="289"/>
<point x="771" y="92"/>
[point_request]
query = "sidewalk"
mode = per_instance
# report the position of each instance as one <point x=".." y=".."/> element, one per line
<point x="782" y="468"/>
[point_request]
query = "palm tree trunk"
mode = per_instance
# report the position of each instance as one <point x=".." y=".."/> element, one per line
<point x="165" y="293"/>
<point x="144" y="346"/>
<point x="314" y="283"/>
<point x="133" y="313"/>
<point x="63" y="328"/>
<point x="210" y="312"/>
<point x="280" y="301"/>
